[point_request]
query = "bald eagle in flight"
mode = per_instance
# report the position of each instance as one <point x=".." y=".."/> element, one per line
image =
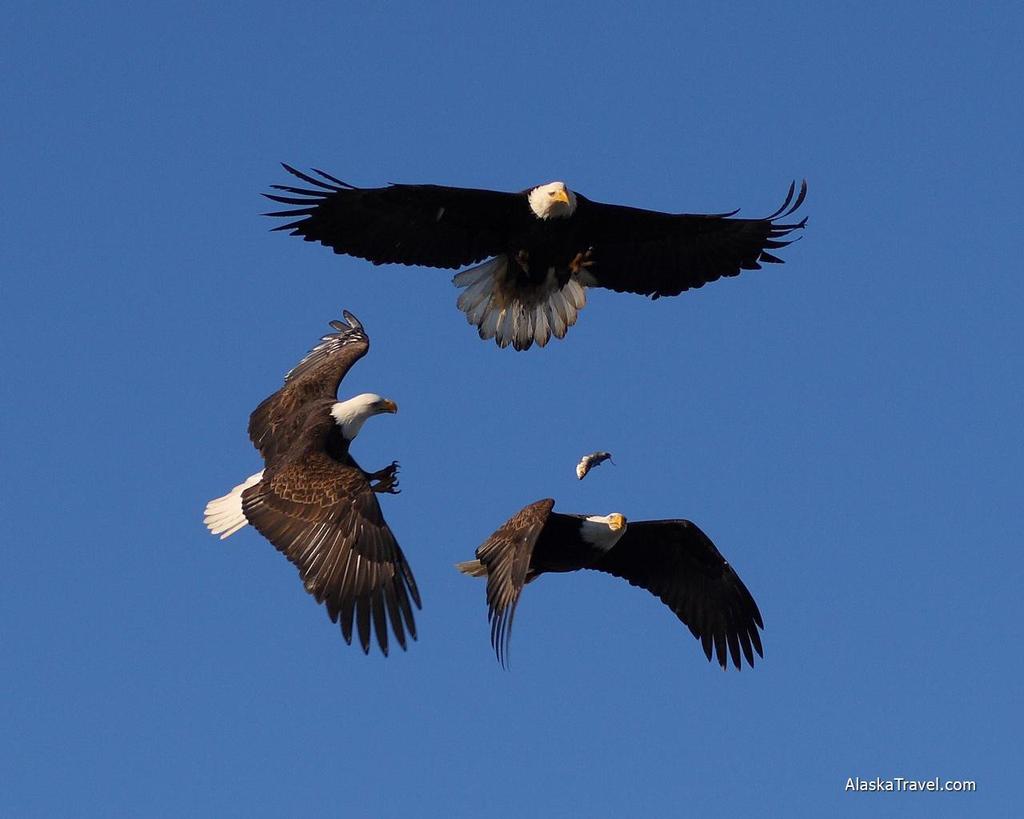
<point x="316" y="504"/>
<point x="535" y="252"/>
<point x="673" y="559"/>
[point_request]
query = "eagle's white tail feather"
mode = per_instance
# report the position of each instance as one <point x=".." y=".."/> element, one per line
<point x="558" y="326"/>
<point x="561" y="307"/>
<point x="541" y="329"/>
<point x="579" y="296"/>
<point x="509" y="320"/>
<point x="477" y="308"/>
<point x="224" y="515"/>
<point x="488" y="325"/>
<point x="478" y="282"/>
<point x="480" y="275"/>
<point x="520" y="326"/>
<point x="506" y="318"/>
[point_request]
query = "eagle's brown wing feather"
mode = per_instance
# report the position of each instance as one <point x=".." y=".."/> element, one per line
<point x="323" y="516"/>
<point x="506" y="556"/>
<point x="276" y="422"/>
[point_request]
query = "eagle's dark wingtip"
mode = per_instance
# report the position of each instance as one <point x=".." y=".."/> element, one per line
<point x="705" y="642"/>
<point x="756" y="613"/>
<point x="337" y="184"/>
<point x="292" y="226"/>
<point x="802" y="196"/>
<point x="333" y="179"/>
<point x="791" y="204"/>
<point x="305" y="177"/>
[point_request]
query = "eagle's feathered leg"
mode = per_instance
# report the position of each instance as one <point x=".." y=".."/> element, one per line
<point x="387" y="479"/>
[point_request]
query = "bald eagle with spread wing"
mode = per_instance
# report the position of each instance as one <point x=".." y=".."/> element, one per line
<point x="535" y="252"/>
<point x="672" y="559"/>
<point x="316" y="504"/>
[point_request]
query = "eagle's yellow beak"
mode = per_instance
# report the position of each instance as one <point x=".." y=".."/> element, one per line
<point x="387" y="405"/>
<point x="616" y="521"/>
<point x="561" y="196"/>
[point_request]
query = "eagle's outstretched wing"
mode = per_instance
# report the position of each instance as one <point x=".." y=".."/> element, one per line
<point x="274" y="424"/>
<point x="678" y="563"/>
<point x="428" y="225"/>
<point x="506" y="556"/>
<point x="323" y="516"/>
<point x="662" y="254"/>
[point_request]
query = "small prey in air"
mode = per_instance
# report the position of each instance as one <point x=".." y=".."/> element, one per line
<point x="588" y="462"/>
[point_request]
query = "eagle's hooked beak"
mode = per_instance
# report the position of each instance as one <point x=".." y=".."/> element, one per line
<point x="616" y="521"/>
<point x="561" y="196"/>
<point x="387" y="405"/>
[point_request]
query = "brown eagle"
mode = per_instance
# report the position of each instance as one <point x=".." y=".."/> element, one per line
<point x="316" y="504"/>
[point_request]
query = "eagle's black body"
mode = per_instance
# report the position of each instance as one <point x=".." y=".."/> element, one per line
<point x="544" y="245"/>
<point x="560" y="548"/>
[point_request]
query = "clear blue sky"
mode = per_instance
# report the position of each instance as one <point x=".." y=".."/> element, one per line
<point x="847" y="427"/>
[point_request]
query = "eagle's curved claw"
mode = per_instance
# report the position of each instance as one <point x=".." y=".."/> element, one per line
<point x="581" y="261"/>
<point x="387" y="479"/>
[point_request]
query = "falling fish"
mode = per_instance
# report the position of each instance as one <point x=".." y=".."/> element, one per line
<point x="588" y="462"/>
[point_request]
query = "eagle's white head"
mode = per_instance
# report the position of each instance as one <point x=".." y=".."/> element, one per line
<point x="351" y="414"/>
<point x="552" y="201"/>
<point x="603" y="531"/>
